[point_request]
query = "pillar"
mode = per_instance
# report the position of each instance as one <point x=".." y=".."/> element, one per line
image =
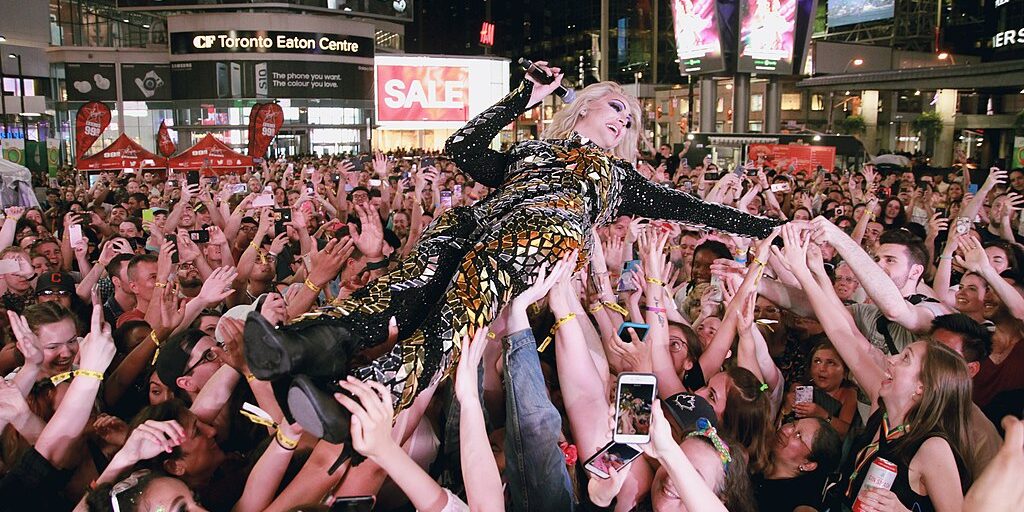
<point x="869" y="110"/>
<point x="772" y="106"/>
<point x="946" y="108"/>
<point x="741" y="103"/>
<point x="708" y="102"/>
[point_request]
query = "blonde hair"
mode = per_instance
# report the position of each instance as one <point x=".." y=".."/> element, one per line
<point x="632" y="142"/>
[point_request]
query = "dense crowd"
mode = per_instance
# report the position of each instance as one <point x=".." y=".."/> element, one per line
<point x="882" y="323"/>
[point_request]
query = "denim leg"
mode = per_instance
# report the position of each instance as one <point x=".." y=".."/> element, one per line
<point x="534" y="464"/>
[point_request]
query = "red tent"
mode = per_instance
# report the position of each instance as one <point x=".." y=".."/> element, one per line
<point x="211" y="155"/>
<point x="123" y="153"/>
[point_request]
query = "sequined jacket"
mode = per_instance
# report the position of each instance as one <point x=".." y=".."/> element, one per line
<point x="575" y="179"/>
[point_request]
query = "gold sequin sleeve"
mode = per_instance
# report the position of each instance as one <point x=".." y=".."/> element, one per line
<point x="646" y="199"/>
<point x="468" y="146"/>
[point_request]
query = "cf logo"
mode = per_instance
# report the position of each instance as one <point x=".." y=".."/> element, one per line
<point x="203" y="41"/>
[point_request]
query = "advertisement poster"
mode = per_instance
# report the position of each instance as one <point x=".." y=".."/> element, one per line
<point x="146" y="82"/>
<point x="92" y="119"/>
<point x="1017" y="162"/>
<point x="422" y="93"/>
<point x="793" y="158"/>
<point x="271" y="79"/>
<point x="90" y="82"/>
<point x="848" y="12"/>
<point x="767" y="32"/>
<point x="698" y="42"/>
<point x="52" y="156"/>
<point x="270" y="41"/>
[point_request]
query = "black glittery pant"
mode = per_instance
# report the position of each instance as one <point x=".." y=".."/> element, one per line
<point x="457" y="279"/>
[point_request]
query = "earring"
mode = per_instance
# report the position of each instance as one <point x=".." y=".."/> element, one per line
<point x="583" y="113"/>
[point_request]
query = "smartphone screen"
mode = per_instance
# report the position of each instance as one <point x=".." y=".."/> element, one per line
<point x="239" y="188"/>
<point x="446" y="198"/>
<point x="634" y="397"/>
<point x="75" y="234"/>
<point x="93" y="178"/>
<point x="626" y="278"/>
<point x="613" y="455"/>
<point x="281" y="217"/>
<point x="199" y="236"/>
<point x="147" y="215"/>
<point x="375" y="182"/>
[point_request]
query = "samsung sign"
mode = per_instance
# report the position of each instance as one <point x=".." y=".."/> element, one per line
<point x="269" y="41"/>
<point x="1008" y="38"/>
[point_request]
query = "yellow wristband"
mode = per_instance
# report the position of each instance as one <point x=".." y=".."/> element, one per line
<point x="617" y="308"/>
<point x="759" y="262"/>
<point x="158" y="284"/>
<point x="554" y="328"/>
<point x="286" y="442"/>
<point x="312" y="287"/>
<point x="596" y="307"/>
<point x="89" y="373"/>
<point x="61" y="377"/>
<point x="249" y="377"/>
<point x="655" y="280"/>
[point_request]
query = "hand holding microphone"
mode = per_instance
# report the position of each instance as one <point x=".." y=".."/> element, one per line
<point x="547" y="80"/>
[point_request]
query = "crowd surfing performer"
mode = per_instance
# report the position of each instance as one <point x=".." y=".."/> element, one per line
<point x="473" y="260"/>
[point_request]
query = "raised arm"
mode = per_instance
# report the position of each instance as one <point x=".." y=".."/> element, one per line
<point x="479" y="470"/>
<point x="468" y="146"/>
<point x="646" y="199"/>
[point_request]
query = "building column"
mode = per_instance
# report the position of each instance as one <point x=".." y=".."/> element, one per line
<point x="772" y="106"/>
<point x="741" y="103"/>
<point x="708" y="104"/>
<point x="946" y="108"/>
<point x="869" y="110"/>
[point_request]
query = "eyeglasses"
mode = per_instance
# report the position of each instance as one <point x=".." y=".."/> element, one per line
<point x="208" y="356"/>
<point x="62" y="293"/>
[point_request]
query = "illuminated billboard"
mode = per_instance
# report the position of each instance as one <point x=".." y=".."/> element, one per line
<point x="767" y="33"/>
<point x="848" y="12"/>
<point x="698" y="43"/>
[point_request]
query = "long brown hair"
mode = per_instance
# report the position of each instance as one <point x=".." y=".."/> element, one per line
<point x="564" y="121"/>
<point x="747" y="416"/>
<point x="944" y="409"/>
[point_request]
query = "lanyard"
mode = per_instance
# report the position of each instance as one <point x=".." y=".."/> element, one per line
<point x="887" y="434"/>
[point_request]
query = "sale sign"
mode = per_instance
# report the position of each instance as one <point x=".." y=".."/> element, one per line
<point x="422" y="93"/>
<point x="792" y="158"/>
<point x="92" y="119"/>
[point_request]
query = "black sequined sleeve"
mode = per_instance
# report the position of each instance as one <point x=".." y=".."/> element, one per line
<point x="646" y="199"/>
<point x="468" y="146"/>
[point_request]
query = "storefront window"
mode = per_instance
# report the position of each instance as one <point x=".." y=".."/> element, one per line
<point x="817" y="102"/>
<point x="791" y="101"/>
<point x="756" y="102"/>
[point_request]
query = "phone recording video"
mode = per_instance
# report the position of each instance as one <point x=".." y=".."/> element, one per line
<point x="446" y="198"/>
<point x="639" y="329"/>
<point x="613" y="456"/>
<point x="174" y="240"/>
<point x="282" y="216"/>
<point x="634" y="397"/>
<point x="192" y="177"/>
<point x="626" y="278"/>
<point x="199" y="236"/>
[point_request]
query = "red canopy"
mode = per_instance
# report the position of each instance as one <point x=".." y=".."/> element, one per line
<point x="123" y="153"/>
<point x="211" y="155"/>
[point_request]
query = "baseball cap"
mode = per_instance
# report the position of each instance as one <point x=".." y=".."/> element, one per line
<point x="173" y="358"/>
<point x="687" y="408"/>
<point x="52" y="282"/>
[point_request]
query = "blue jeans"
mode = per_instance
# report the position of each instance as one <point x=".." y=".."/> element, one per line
<point x="534" y="464"/>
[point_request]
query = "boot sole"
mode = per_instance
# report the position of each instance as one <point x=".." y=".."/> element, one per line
<point x="264" y="350"/>
<point x="317" y="412"/>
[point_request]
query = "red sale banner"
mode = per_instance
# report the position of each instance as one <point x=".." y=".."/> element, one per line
<point x="422" y="93"/>
<point x="92" y="119"/>
<point x="164" y="144"/>
<point x="253" y="112"/>
<point x="268" y="123"/>
<point x="792" y="157"/>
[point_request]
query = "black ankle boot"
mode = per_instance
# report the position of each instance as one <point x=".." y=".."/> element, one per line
<point x="317" y="349"/>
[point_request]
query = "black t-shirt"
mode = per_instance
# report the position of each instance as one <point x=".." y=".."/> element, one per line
<point x="786" y="494"/>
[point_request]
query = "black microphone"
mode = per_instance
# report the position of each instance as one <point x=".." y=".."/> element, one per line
<point x="567" y="95"/>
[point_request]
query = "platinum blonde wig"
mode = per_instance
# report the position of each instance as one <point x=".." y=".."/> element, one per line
<point x="633" y="141"/>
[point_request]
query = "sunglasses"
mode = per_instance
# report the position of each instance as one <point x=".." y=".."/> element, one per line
<point x="62" y="293"/>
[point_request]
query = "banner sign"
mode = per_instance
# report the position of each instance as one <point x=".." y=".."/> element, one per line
<point x="253" y="112"/>
<point x="268" y="123"/>
<point x="1017" y="161"/>
<point x="270" y="41"/>
<point x="164" y="144"/>
<point x="791" y="158"/>
<point x="92" y="119"/>
<point x="13" y="150"/>
<point x="767" y="34"/>
<point x="271" y="79"/>
<point x="422" y="93"/>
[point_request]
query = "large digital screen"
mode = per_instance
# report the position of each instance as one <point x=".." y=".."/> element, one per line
<point x="767" y="33"/>
<point x="848" y="12"/>
<point x="271" y="79"/>
<point x="698" y="43"/>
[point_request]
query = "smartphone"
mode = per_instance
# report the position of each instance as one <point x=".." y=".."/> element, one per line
<point x="192" y="177"/>
<point x="626" y="278"/>
<point x="214" y="180"/>
<point x="780" y="187"/>
<point x="93" y="178"/>
<point x="147" y="215"/>
<point x="688" y="187"/>
<point x="239" y="188"/>
<point x="357" y="164"/>
<point x="174" y="240"/>
<point x="613" y="455"/>
<point x="446" y="198"/>
<point x="972" y="188"/>
<point x="353" y="504"/>
<point x="640" y="329"/>
<point x="263" y="200"/>
<point x="457" y="191"/>
<point x="839" y="211"/>
<point x="172" y="184"/>
<point x="199" y="236"/>
<point x="740" y="171"/>
<point x="348" y="187"/>
<point x="716" y="285"/>
<point x="428" y="161"/>
<point x="375" y="182"/>
<point x="804" y="394"/>
<point x="75" y="233"/>
<point x="281" y="216"/>
<point x="963" y="225"/>
<point x="9" y="266"/>
<point x="634" y="394"/>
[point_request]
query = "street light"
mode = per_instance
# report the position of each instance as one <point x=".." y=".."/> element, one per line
<point x="21" y="79"/>
<point x="856" y="61"/>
